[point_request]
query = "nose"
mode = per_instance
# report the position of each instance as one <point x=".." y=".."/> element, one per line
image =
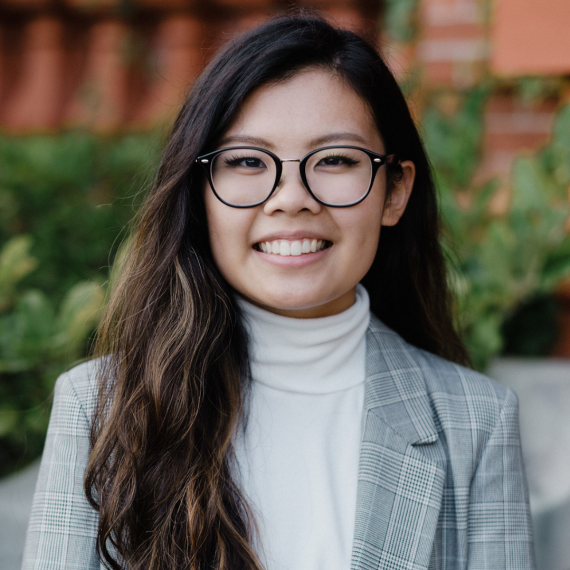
<point x="291" y="196"/>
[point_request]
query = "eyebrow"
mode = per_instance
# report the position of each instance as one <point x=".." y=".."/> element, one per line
<point x="260" y="142"/>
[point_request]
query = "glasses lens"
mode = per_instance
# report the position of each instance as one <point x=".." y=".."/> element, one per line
<point x="339" y="176"/>
<point x="242" y="176"/>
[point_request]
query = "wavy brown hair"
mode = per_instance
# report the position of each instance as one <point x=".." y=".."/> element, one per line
<point x="174" y="378"/>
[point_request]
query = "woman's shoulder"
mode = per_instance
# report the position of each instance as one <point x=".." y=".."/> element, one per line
<point x="458" y="395"/>
<point x="445" y="376"/>
<point x="468" y="406"/>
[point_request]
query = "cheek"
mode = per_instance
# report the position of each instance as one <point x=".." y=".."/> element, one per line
<point x="368" y="236"/>
<point x="219" y="226"/>
<point x="228" y="230"/>
<point x="364" y="224"/>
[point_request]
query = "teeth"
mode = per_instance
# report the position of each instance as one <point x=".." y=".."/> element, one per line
<point x="296" y="248"/>
<point x="286" y="248"/>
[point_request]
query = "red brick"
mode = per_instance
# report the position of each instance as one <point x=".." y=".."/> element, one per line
<point x="517" y="122"/>
<point x="461" y="31"/>
<point x="515" y="141"/>
<point x="495" y="161"/>
<point x="452" y="50"/>
<point x="439" y="72"/>
<point x="450" y="12"/>
<point x="35" y="99"/>
<point x="101" y="102"/>
<point x="176" y="59"/>
<point x="507" y="103"/>
<point x="531" y="37"/>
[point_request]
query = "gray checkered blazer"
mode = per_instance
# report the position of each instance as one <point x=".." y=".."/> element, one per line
<point x="441" y="481"/>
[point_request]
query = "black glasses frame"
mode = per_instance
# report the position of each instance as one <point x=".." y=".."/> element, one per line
<point x="376" y="160"/>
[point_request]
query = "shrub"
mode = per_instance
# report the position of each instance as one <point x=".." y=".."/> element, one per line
<point x="36" y="344"/>
<point x="499" y="262"/>
<point x="64" y="201"/>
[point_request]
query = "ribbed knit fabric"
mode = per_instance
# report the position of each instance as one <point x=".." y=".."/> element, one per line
<point x="298" y="456"/>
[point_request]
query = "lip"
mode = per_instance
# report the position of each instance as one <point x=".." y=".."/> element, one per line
<point x="292" y="261"/>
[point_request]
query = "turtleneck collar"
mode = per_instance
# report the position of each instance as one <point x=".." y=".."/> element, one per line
<point x="314" y="356"/>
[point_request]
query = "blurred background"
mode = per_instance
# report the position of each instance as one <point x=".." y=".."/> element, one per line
<point x="88" y="89"/>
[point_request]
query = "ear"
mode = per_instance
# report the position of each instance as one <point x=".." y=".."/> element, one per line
<point x="395" y="206"/>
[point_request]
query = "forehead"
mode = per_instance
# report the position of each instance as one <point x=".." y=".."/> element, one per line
<point x="312" y="104"/>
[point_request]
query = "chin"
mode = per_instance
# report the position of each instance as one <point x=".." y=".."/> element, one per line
<point x="286" y="301"/>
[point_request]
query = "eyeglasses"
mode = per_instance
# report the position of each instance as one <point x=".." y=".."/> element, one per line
<point x="335" y="176"/>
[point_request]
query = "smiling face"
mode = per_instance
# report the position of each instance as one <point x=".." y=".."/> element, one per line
<point x="262" y="251"/>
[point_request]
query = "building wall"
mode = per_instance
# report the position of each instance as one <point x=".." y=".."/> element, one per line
<point x="463" y="42"/>
<point x="110" y="64"/>
<point x="126" y="64"/>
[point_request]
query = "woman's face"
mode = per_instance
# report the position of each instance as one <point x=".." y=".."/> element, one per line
<point x="310" y="110"/>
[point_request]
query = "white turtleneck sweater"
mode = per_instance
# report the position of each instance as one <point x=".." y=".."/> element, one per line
<point x="298" y="456"/>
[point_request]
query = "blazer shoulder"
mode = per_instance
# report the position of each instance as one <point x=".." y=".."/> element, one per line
<point x="441" y="375"/>
<point x="456" y="391"/>
<point x="81" y="384"/>
<point x="457" y="395"/>
<point x="445" y="375"/>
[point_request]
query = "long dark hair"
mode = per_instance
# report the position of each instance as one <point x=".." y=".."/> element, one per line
<point x="175" y="371"/>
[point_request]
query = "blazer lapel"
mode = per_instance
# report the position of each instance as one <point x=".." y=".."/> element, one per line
<point x="399" y="487"/>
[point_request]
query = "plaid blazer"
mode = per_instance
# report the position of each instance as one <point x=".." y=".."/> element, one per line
<point x="441" y="481"/>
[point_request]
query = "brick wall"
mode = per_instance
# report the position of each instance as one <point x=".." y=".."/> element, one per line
<point x="455" y="45"/>
<point x="452" y="43"/>
<point x="108" y="64"/>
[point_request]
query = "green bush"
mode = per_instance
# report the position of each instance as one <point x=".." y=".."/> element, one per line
<point x="37" y="342"/>
<point x="73" y="194"/>
<point x="499" y="262"/>
<point x="64" y="201"/>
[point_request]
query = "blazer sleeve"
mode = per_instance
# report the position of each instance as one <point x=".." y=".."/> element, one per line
<point x="500" y="529"/>
<point x="63" y="526"/>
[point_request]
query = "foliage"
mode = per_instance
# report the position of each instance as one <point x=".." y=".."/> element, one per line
<point x="453" y="140"/>
<point x="36" y="344"/>
<point x="499" y="261"/>
<point x="72" y="193"/>
<point x="64" y="200"/>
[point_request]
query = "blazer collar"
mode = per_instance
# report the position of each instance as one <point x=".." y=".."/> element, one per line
<point x="399" y="486"/>
<point x="395" y="387"/>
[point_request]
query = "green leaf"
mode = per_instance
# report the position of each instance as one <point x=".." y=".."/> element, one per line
<point x="8" y="420"/>
<point x="80" y="313"/>
<point x="15" y="263"/>
<point x="26" y="334"/>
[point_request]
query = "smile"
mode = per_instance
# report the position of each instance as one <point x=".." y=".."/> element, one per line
<point x="286" y="247"/>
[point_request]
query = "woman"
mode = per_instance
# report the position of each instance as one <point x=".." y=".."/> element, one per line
<point x="280" y="384"/>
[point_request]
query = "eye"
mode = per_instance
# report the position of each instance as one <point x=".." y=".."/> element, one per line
<point x="249" y="162"/>
<point x="337" y="160"/>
